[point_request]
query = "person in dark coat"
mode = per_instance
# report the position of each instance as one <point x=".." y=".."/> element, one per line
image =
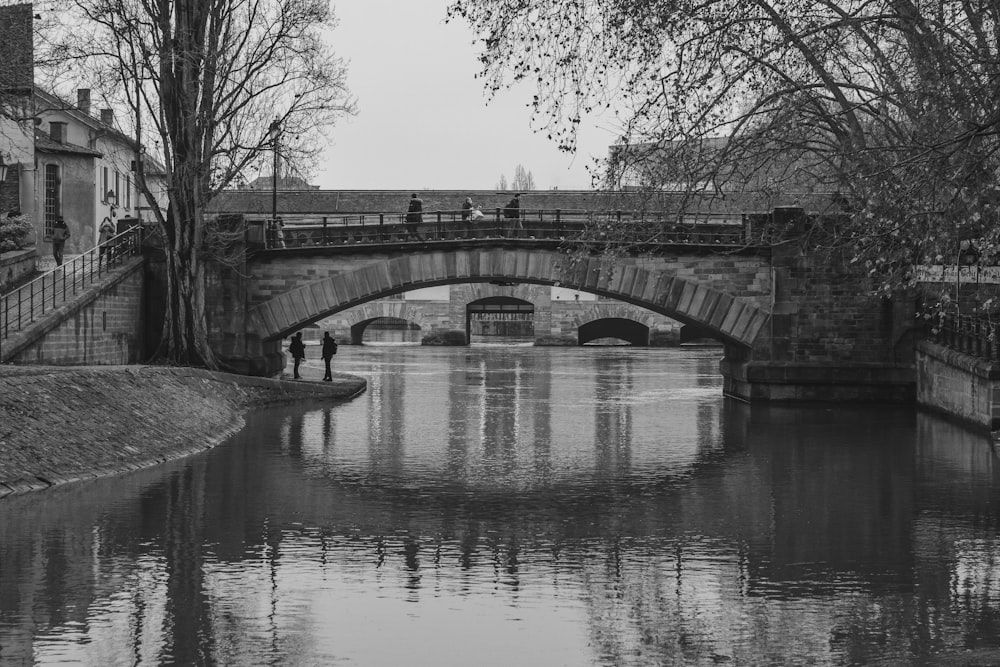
<point x="467" y="207"/>
<point x="298" y="350"/>
<point x="414" y="216"/>
<point x="513" y="211"/>
<point x="60" y="232"/>
<point x="329" y="349"/>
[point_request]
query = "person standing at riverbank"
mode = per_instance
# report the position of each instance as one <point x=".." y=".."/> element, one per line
<point x="298" y="351"/>
<point x="329" y="349"/>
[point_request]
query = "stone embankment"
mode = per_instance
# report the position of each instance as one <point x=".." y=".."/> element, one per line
<point x="62" y="424"/>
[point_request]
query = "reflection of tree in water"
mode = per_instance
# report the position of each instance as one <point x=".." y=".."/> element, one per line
<point x="386" y="423"/>
<point x="503" y="391"/>
<point x="613" y="413"/>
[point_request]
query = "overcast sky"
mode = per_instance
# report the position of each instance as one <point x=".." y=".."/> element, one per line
<point x="423" y="121"/>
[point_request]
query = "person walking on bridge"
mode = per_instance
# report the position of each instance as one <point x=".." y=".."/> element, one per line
<point x="513" y="212"/>
<point x="298" y="350"/>
<point x="467" y="208"/>
<point x="329" y="349"/>
<point x="414" y="216"/>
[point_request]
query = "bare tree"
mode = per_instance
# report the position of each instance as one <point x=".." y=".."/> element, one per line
<point x="523" y="180"/>
<point x="204" y="81"/>
<point x="884" y="110"/>
<point x="502" y="183"/>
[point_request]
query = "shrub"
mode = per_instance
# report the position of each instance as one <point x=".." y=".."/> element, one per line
<point x="13" y="232"/>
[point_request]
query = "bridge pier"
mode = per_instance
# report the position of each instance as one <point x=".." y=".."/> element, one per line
<point x="771" y="381"/>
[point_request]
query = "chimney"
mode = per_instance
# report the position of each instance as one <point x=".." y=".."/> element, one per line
<point x="57" y="132"/>
<point x="83" y="100"/>
<point x="108" y="117"/>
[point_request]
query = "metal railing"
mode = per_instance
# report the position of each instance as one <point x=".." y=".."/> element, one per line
<point x="528" y="224"/>
<point x="968" y="334"/>
<point x="26" y="304"/>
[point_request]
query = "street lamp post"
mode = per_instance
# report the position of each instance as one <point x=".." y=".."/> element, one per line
<point x="3" y="181"/>
<point x="274" y="131"/>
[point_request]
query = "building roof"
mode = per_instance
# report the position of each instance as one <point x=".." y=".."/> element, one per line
<point x="55" y="103"/>
<point x="44" y="144"/>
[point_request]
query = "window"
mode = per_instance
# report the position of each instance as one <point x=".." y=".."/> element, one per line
<point x="51" y="204"/>
<point x="118" y="194"/>
<point x="104" y="184"/>
<point x="128" y="192"/>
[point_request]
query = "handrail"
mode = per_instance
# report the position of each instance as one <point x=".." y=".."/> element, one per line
<point x="26" y="304"/>
<point x="969" y="334"/>
<point x="537" y="224"/>
<point x="369" y="218"/>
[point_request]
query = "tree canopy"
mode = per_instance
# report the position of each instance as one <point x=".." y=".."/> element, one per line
<point x="213" y="87"/>
<point x="884" y="109"/>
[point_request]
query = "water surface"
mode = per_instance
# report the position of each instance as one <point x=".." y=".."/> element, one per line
<point x="523" y="506"/>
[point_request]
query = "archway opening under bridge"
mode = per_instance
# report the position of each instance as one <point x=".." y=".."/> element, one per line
<point x="500" y="319"/>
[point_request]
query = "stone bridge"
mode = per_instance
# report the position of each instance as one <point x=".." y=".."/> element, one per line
<point x="795" y="327"/>
<point x="734" y="315"/>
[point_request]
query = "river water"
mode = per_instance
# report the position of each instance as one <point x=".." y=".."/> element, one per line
<point x="523" y="506"/>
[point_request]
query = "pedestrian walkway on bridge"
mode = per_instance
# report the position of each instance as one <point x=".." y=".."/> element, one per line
<point x="524" y="226"/>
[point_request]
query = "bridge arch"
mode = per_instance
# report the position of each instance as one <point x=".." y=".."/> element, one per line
<point x="618" y="320"/>
<point x="361" y="317"/>
<point x="736" y="320"/>
<point x="630" y="331"/>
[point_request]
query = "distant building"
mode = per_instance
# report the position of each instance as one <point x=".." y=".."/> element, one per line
<point x="284" y="183"/>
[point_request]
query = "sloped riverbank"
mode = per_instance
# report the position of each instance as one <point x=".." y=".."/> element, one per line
<point x="62" y="424"/>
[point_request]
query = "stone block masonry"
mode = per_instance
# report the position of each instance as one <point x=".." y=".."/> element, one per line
<point x="59" y="425"/>
<point x="104" y="325"/>
<point x="963" y="387"/>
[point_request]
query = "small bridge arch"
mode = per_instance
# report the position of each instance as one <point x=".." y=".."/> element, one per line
<point x="359" y="318"/>
<point x="736" y="320"/>
<point x="614" y="320"/>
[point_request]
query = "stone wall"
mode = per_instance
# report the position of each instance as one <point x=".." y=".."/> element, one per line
<point x="103" y="326"/>
<point x="956" y="384"/>
<point x="824" y="312"/>
<point x="16" y="264"/>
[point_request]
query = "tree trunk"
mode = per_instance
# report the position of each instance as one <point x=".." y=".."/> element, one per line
<point x="185" y="326"/>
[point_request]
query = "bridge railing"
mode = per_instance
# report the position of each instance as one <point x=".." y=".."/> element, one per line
<point x="538" y="224"/>
<point x="28" y="303"/>
<point x="969" y="334"/>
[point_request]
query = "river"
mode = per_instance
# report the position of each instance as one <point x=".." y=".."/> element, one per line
<point x="523" y="506"/>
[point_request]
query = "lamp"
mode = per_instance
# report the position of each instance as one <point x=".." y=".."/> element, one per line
<point x="111" y="198"/>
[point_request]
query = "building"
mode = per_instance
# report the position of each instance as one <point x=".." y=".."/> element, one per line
<point x="84" y="169"/>
<point x="16" y="129"/>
